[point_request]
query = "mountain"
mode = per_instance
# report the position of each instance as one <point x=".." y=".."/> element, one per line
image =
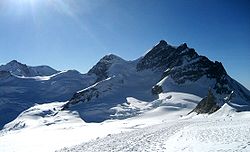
<point x="20" y="69"/>
<point x="169" y="94"/>
<point x="105" y="91"/>
<point x="102" y="67"/>
<point x="186" y="71"/>
<point x="163" y="69"/>
<point x="22" y="86"/>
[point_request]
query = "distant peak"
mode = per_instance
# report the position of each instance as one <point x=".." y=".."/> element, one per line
<point x="14" y="62"/>
<point x="111" y="57"/>
<point x="182" y="47"/>
<point x="102" y="67"/>
<point x="162" y="43"/>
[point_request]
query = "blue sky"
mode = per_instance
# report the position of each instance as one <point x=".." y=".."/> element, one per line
<point x="75" y="34"/>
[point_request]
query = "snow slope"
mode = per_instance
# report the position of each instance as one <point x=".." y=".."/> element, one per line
<point x="32" y="127"/>
<point x="161" y="125"/>
<point x="18" y="93"/>
<point x="227" y="134"/>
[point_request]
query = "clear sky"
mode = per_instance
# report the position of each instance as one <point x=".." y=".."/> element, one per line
<point x="75" y="34"/>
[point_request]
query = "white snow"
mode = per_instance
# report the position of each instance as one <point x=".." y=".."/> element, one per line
<point x="92" y="86"/>
<point x="18" y="93"/>
<point x="41" y="78"/>
<point x="221" y="134"/>
<point x="193" y="134"/>
<point x="199" y="87"/>
<point x="161" y="125"/>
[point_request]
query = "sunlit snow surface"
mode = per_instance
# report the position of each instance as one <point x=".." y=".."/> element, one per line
<point x="161" y="125"/>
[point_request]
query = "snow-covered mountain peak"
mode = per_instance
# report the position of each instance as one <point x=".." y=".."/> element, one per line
<point x="111" y="58"/>
<point x="162" y="43"/>
<point x="14" y="62"/>
<point x="102" y="68"/>
<point x="20" y="69"/>
<point x="16" y="68"/>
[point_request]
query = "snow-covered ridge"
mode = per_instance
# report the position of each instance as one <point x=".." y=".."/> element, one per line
<point x="18" y="93"/>
<point x="20" y="69"/>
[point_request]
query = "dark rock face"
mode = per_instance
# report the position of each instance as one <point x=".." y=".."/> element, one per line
<point x="82" y="96"/>
<point x="157" y="90"/>
<point x="5" y="74"/>
<point x="207" y="104"/>
<point x="183" y="64"/>
<point x="24" y="67"/>
<point x="182" y="47"/>
<point x="197" y="68"/>
<point x="162" y="55"/>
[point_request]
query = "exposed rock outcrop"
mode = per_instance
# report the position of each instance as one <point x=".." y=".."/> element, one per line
<point x="207" y="104"/>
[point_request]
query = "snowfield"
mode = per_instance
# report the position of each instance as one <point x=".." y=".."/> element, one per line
<point x="140" y="139"/>
<point x="160" y="125"/>
<point x="221" y="134"/>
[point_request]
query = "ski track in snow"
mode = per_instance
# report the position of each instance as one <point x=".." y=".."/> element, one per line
<point x="141" y="139"/>
<point x="193" y="135"/>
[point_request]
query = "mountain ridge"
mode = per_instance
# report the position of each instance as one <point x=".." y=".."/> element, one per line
<point x="22" y="86"/>
<point x="176" y="69"/>
<point x="104" y="91"/>
<point x="20" y="69"/>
